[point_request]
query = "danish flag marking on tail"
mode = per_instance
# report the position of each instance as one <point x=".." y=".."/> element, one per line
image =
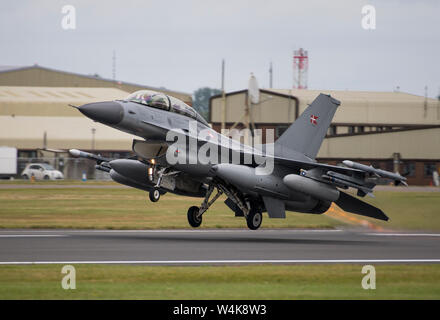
<point x="313" y="119"/>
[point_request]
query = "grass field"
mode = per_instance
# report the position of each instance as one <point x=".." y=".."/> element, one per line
<point x="120" y="209"/>
<point x="221" y="282"/>
<point x="58" y="182"/>
<point x="125" y="208"/>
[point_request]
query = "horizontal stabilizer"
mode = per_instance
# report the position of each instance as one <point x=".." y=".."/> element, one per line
<point x="354" y="205"/>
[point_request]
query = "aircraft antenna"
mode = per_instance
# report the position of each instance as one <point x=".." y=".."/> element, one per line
<point x="270" y="76"/>
<point x="223" y="96"/>
<point x="114" y="65"/>
<point x="425" y="103"/>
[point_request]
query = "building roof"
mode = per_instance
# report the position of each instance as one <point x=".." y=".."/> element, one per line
<point x="8" y="68"/>
<point x="27" y="114"/>
<point x="50" y="101"/>
<point x="345" y="95"/>
<point x="62" y="94"/>
<point x="357" y="107"/>
<point x="127" y="86"/>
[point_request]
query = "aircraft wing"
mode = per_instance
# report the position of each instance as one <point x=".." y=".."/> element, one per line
<point x="307" y="165"/>
<point x="354" y="175"/>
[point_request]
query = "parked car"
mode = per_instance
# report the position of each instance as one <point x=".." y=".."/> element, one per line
<point x="41" y="171"/>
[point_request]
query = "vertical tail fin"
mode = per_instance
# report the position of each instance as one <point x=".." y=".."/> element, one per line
<point x="306" y="134"/>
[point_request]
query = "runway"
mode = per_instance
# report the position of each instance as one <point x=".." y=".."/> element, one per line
<point x="194" y="247"/>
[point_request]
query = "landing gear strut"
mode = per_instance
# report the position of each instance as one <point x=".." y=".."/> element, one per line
<point x="251" y="211"/>
<point x="195" y="213"/>
<point x="153" y="172"/>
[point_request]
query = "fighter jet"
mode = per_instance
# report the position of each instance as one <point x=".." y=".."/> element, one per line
<point x="294" y="180"/>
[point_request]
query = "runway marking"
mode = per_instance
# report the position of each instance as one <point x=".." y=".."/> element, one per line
<point x="176" y="262"/>
<point x="194" y="231"/>
<point x="404" y="234"/>
<point x="31" y="235"/>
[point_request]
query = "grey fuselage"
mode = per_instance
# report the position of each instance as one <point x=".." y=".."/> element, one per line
<point x="153" y="124"/>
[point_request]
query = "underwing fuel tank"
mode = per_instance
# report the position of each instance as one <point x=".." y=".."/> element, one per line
<point x="135" y="173"/>
<point x="132" y="169"/>
<point x="312" y="187"/>
<point x="132" y="173"/>
<point x="138" y="172"/>
<point x="249" y="179"/>
<point x="129" y="182"/>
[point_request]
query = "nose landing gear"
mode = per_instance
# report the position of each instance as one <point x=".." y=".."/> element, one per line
<point x="154" y="195"/>
<point x="155" y="176"/>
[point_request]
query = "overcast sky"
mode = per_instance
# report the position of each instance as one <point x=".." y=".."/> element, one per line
<point x="180" y="44"/>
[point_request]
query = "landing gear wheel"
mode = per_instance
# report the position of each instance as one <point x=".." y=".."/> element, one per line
<point x="193" y="219"/>
<point x="254" y="219"/>
<point x="154" y="195"/>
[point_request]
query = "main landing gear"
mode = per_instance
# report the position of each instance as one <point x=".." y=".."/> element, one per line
<point x="254" y="219"/>
<point x="194" y="218"/>
<point x="195" y="213"/>
<point x="252" y="212"/>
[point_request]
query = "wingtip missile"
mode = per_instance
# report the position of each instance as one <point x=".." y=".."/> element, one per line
<point x="75" y="152"/>
<point x="82" y="154"/>
<point x="374" y="171"/>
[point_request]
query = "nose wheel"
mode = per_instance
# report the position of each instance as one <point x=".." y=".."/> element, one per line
<point x="154" y="195"/>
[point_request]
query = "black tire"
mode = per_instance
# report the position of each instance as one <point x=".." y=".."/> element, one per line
<point x="46" y="177"/>
<point x="154" y="195"/>
<point x="25" y="177"/>
<point x="193" y="220"/>
<point x="254" y="219"/>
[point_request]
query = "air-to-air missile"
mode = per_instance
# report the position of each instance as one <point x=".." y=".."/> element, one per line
<point x="377" y="172"/>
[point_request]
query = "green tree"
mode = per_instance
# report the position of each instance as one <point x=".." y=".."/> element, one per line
<point x="201" y="100"/>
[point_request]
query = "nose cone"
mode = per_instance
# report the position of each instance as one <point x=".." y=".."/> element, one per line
<point x="108" y="112"/>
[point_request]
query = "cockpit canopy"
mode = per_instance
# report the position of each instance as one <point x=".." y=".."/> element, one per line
<point x="162" y="101"/>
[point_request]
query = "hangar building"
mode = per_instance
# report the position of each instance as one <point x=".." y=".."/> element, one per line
<point x="390" y="130"/>
<point x="39" y="76"/>
<point x="35" y="116"/>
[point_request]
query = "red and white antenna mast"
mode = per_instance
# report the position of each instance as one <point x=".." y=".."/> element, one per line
<point x="300" y="68"/>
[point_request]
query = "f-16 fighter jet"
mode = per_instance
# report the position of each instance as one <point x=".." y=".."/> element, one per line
<point x="178" y="152"/>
